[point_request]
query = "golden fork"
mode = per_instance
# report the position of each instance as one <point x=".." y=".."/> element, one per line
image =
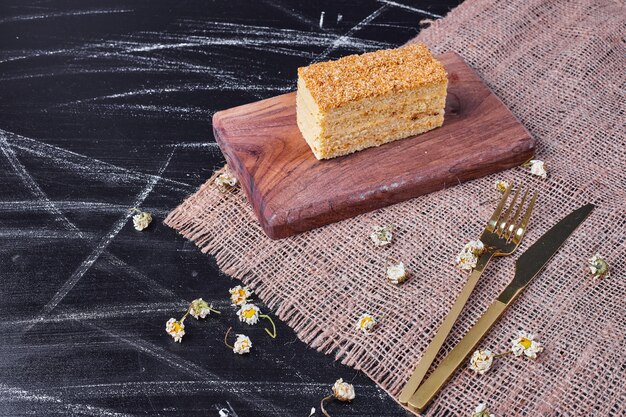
<point x="502" y="235"/>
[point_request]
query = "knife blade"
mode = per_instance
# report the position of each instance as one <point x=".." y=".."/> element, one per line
<point x="528" y="265"/>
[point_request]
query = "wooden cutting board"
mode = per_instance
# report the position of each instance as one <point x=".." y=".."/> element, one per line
<point x="291" y="191"/>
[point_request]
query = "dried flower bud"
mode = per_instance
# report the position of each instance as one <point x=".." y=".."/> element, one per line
<point x="598" y="266"/>
<point x="501" y="186"/>
<point x="176" y="329"/>
<point x="382" y="235"/>
<point x="141" y="220"/>
<point x="475" y="247"/>
<point x="343" y="391"/>
<point x="481" y="361"/>
<point x="468" y="257"/>
<point x="366" y="323"/>
<point x="249" y="313"/>
<point x="538" y="168"/>
<point x="239" y="295"/>
<point x="525" y="344"/>
<point x="482" y="411"/>
<point x="199" y="308"/>
<point x="242" y="344"/>
<point x="397" y="273"/>
<point x="225" y="181"/>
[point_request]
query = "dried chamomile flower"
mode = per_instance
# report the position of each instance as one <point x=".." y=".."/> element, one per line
<point x="397" y="273"/>
<point x="466" y="261"/>
<point x="239" y="295"/>
<point x="538" y="168"/>
<point x="141" y="220"/>
<point x="242" y="344"/>
<point x="475" y="247"/>
<point x="598" y="266"/>
<point x="176" y="329"/>
<point x="366" y="323"/>
<point x="250" y="314"/>
<point x="225" y="181"/>
<point x="481" y="361"/>
<point x="501" y="186"/>
<point x="525" y="344"/>
<point x="341" y="391"/>
<point x="382" y="235"/>
<point x="200" y="308"/>
<point x="482" y="411"/>
<point x="468" y="257"/>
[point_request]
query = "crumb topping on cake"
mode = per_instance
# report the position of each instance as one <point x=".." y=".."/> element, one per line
<point x="355" y="77"/>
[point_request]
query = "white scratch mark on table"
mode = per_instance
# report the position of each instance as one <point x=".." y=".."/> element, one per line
<point x="411" y="8"/>
<point x="87" y="166"/>
<point x="244" y="387"/>
<point x="36" y="233"/>
<point x="63" y="14"/>
<point x="104" y="242"/>
<point x="29" y="181"/>
<point x="142" y="282"/>
<point x="187" y="367"/>
<point x="91" y="207"/>
<point x="291" y="12"/>
<point x="343" y="39"/>
<point x="12" y="394"/>
<point x="72" y="230"/>
<point x="181" y="89"/>
<point x="104" y="312"/>
<point x="195" y="34"/>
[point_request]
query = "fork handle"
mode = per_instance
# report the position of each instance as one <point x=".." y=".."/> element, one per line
<point x="456" y="357"/>
<point x="444" y="330"/>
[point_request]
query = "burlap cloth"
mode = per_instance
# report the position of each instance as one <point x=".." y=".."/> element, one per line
<point x="560" y="67"/>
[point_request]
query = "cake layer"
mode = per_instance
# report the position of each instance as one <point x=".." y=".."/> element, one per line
<point x="397" y="101"/>
<point x="421" y="99"/>
<point x="352" y="78"/>
<point x="378" y="135"/>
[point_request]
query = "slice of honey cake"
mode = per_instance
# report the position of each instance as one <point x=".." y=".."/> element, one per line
<point x="361" y="101"/>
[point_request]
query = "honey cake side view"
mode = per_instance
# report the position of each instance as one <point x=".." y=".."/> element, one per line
<point x="360" y="101"/>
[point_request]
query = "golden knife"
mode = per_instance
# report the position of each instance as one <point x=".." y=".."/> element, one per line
<point x="529" y="264"/>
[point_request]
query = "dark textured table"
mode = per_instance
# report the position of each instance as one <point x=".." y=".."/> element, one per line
<point x="106" y="106"/>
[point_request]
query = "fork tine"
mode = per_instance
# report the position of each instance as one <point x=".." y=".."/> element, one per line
<point x="507" y="217"/>
<point x="510" y="227"/>
<point x="521" y="229"/>
<point x="493" y="221"/>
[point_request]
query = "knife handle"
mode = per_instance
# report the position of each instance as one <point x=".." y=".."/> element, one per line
<point x="455" y="358"/>
<point x="444" y="329"/>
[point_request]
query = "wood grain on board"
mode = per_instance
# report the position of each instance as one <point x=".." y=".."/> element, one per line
<point x="291" y="191"/>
